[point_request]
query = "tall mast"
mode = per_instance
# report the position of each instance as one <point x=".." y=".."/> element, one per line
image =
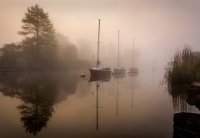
<point x="133" y="52"/>
<point x="98" y="44"/>
<point x="118" y="50"/>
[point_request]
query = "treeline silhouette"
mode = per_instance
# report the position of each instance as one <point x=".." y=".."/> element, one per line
<point x="41" y="48"/>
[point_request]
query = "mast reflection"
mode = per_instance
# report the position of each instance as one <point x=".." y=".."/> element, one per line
<point x="118" y="77"/>
<point x="97" y="105"/>
<point x="98" y="81"/>
<point x="117" y="99"/>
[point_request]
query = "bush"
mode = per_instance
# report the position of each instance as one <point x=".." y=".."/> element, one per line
<point x="182" y="70"/>
<point x="198" y="76"/>
<point x="180" y="75"/>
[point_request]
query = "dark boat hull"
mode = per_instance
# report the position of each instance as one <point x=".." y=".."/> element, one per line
<point x="119" y="72"/>
<point x="133" y="71"/>
<point x="103" y="79"/>
<point x="103" y="75"/>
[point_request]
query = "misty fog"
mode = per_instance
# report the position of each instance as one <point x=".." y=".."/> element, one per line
<point x="159" y="27"/>
<point x="52" y="84"/>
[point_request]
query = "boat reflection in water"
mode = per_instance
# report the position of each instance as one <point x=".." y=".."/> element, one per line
<point x="98" y="80"/>
<point x="118" y="77"/>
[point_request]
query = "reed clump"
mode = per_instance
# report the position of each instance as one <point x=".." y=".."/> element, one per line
<point x="185" y="67"/>
<point x="197" y="70"/>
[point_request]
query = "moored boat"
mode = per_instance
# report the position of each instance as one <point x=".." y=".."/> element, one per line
<point x="119" y="71"/>
<point x="98" y="71"/>
<point x="133" y="70"/>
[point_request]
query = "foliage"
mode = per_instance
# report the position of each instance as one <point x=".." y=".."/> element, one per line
<point x="9" y="54"/>
<point x="36" y="23"/>
<point x="182" y="70"/>
<point x="39" y="44"/>
<point x="66" y="50"/>
<point x="41" y="48"/>
<point x="197" y="72"/>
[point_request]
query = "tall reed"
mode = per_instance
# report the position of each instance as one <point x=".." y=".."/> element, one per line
<point x="182" y="69"/>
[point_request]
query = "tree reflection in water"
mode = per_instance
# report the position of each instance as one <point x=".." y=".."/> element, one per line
<point x="39" y="92"/>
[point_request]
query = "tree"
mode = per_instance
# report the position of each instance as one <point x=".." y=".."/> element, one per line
<point x="10" y="56"/>
<point x="39" y="44"/>
<point x="66" y="49"/>
<point x="37" y="24"/>
<point x="41" y="48"/>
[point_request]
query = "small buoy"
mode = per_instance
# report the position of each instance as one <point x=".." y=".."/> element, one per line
<point x="82" y="75"/>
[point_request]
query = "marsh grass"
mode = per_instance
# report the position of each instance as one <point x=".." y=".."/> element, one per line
<point x="182" y="68"/>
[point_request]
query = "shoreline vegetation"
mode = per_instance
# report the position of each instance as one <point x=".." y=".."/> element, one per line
<point x="184" y="69"/>
<point x="181" y="75"/>
<point x="41" y="49"/>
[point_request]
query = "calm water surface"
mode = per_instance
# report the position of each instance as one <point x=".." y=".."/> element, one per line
<point x="60" y="105"/>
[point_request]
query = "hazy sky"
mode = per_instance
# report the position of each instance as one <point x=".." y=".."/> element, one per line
<point x="156" y="25"/>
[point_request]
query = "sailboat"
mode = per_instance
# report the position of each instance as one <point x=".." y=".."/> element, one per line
<point x="119" y="70"/>
<point x="133" y="70"/>
<point x="99" y="72"/>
